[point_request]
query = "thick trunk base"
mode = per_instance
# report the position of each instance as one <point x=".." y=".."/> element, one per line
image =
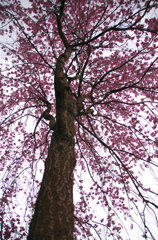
<point x="53" y="216"/>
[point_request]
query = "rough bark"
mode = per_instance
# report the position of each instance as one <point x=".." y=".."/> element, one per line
<point x="53" y="216"/>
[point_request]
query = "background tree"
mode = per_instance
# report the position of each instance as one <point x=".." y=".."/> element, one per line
<point x="78" y="94"/>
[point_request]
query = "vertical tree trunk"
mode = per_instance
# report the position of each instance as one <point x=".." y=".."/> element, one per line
<point x="53" y="216"/>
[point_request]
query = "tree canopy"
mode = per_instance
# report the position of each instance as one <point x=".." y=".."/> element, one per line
<point x="94" y="63"/>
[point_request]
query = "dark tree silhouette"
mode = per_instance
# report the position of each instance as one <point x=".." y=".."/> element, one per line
<point x="79" y="93"/>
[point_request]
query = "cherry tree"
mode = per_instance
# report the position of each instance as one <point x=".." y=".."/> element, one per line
<point x="79" y="93"/>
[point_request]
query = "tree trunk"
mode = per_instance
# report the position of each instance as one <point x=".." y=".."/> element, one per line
<point x="53" y="216"/>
